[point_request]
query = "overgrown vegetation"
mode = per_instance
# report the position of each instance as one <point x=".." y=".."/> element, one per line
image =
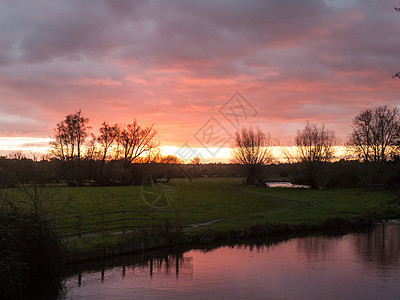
<point x="30" y="258"/>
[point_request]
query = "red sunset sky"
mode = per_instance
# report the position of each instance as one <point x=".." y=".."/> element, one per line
<point x="177" y="63"/>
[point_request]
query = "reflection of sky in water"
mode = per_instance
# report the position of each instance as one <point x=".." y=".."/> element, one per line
<point x="287" y="185"/>
<point x="356" y="266"/>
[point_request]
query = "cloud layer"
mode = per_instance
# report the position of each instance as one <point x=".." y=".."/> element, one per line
<point x="175" y="63"/>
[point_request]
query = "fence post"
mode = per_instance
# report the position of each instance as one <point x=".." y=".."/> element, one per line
<point x="123" y="221"/>
<point x="102" y="223"/>
<point x="79" y="226"/>
<point x="151" y="219"/>
<point x="176" y="218"/>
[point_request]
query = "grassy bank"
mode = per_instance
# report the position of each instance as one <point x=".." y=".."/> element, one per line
<point x="242" y="210"/>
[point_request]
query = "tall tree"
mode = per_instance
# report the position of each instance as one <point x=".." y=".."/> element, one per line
<point x="108" y="135"/>
<point x="314" y="148"/>
<point x="136" y="141"/>
<point x="251" y="149"/>
<point x="69" y="137"/>
<point x="376" y="134"/>
<point x="315" y="144"/>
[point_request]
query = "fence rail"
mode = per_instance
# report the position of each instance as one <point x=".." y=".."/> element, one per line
<point x="121" y="220"/>
<point x="376" y="186"/>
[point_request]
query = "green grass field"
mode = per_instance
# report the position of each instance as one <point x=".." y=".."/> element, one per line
<point x="228" y="199"/>
<point x="237" y="205"/>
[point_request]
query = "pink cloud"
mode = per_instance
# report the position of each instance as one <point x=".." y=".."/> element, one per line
<point x="176" y="63"/>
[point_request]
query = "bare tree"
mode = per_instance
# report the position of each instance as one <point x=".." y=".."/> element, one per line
<point x="91" y="151"/>
<point x="18" y="155"/>
<point x="251" y="149"/>
<point x="315" y="144"/>
<point x="137" y="141"/>
<point x="108" y="135"/>
<point x="69" y="137"/>
<point x="314" y="147"/>
<point x="68" y="146"/>
<point x="169" y="159"/>
<point x="376" y="134"/>
<point x="195" y="160"/>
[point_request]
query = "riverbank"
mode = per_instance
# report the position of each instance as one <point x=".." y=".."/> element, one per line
<point x="113" y="245"/>
<point x="242" y="212"/>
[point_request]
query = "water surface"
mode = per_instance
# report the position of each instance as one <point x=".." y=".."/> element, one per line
<point x="286" y="184"/>
<point x="354" y="266"/>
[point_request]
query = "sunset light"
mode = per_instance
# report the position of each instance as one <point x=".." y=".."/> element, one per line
<point x="199" y="149"/>
<point x="321" y="61"/>
<point x="25" y="145"/>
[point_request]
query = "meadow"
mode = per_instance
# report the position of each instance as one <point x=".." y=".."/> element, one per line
<point x="235" y="205"/>
<point x="226" y="203"/>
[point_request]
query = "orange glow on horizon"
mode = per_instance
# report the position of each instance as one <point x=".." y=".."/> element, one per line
<point x="30" y="145"/>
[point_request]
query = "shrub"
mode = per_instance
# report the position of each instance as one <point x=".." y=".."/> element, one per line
<point x="30" y="258"/>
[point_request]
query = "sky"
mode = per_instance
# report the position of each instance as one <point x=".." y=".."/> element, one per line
<point x="197" y="70"/>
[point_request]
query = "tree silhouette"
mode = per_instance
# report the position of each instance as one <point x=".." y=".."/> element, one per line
<point x="314" y="148"/>
<point x="169" y="159"/>
<point x="315" y="144"/>
<point x="108" y="135"/>
<point x="136" y="141"/>
<point x="195" y="160"/>
<point x="251" y="149"/>
<point x="376" y="134"/>
<point x="69" y="137"/>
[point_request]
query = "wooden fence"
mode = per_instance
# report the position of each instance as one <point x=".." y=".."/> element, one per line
<point x="118" y="221"/>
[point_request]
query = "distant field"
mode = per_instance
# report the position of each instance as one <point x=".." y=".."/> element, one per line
<point x="228" y="199"/>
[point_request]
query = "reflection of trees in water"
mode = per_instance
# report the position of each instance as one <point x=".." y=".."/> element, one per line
<point x="257" y="244"/>
<point x="381" y="246"/>
<point x="258" y="247"/>
<point x="151" y="263"/>
<point x="179" y="264"/>
<point x="155" y="263"/>
<point x="315" y="247"/>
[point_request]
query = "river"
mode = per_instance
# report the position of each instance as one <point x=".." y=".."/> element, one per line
<point x="362" y="265"/>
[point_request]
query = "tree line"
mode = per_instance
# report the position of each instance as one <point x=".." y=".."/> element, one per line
<point x="374" y="139"/>
<point x="125" y="142"/>
<point x="123" y="145"/>
<point x="126" y="154"/>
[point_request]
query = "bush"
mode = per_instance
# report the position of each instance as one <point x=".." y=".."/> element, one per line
<point x="30" y="258"/>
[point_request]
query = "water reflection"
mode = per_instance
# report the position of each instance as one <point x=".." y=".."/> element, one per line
<point x="315" y="248"/>
<point x="381" y="247"/>
<point x="153" y="263"/>
<point x="359" y="265"/>
<point x="286" y="184"/>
